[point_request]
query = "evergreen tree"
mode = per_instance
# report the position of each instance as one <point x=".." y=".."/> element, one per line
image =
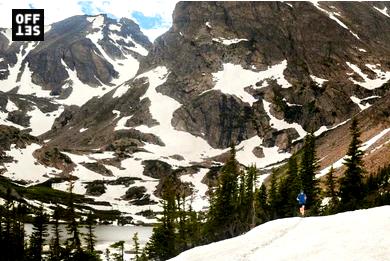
<point x="250" y="184"/>
<point x="74" y="243"/>
<point x="273" y="196"/>
<point x="294" y="184"/>
<point x="331" y="193"/>
<point x="351" y="185"/>
<point x="120" y="247"/>
<point x="224" y="202"/>
<point x="90" y="236"/>
<point x="38" y="235"/>
<point x="308" y="171"/>
<point x="55" y="246"/>
<point x="20" y="213"/>
<point x="162" y="244"/>
<point x="193" y="228"/>
<point x="262" y="207"/>
<point x="136" y="247"/>
<point x="283" y="208"/>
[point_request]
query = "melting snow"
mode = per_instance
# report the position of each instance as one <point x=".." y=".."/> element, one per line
<point x="383" y="11"/>
<point x="121" y="90"/>
<point x="25" y="167"/>
<point x="162" y="108"/>
<point x="229" y="41"/>
<point x="359" y="103"/>
<point x="83" y="129"/>
<point x="126" y="68"/>
<point x="282" y="124"/>
<point x="245" y="154"/>
<point x="370" y="84"/>
<point x="234" y="78"/>
<point x="362" y="50"/>
<point x="291" y="104"/>
<point x="11" y="106"/>
<point x="337" y="237"/>
<point x="318" y="80"/>
<point x="364" y="147"/>
<point x="41" y="122"/>
<point x="199" y="199"/>
<point x="137" y="47"/>
<point x="333" y="17"/>
<point x="114" y="27"/>
<point x="120" y="125"/>
<point x="208" y="24"/>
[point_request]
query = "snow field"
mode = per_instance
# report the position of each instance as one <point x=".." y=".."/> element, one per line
<point x="234" y="78"/>
<point x="25" y="167"/>
<point x="349" y="236"/>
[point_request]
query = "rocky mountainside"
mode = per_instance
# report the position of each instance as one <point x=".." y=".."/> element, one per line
<point x="119" y="114"/>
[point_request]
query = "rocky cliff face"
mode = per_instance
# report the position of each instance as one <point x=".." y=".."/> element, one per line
<point x="257" y="74"/>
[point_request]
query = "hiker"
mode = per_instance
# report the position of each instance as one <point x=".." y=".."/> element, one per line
<point x="301" y="198"/>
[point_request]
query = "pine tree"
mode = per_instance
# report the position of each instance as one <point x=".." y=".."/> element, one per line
<point x="250" y="184"/>
<point x="73" y="226"/>
<point x="331" y="193"/>
<point x="224" y="202"/>
<point x="283" y="197"/>
<point x="307" y="173"/>
<point x="162" y="244"/>
<point x="295" y="184"/>
<point x="273" y="197"/>
<point x="20" y="213"/>
<point x="38" y="235"/>
<point x="351" y="185"/>
<point x="90" y="236"/>
<point x="120" y="247"/>
<point x="55" y="246"/>
<point x="262" y="207"/>
<point x="136" y="247"/>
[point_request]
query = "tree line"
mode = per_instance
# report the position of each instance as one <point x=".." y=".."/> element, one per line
<point x="76" y="246"/>
<point x="237" y="204"/>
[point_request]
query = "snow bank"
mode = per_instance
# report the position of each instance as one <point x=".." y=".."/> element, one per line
<point x="25" y="167"/>
<point x="318" y="80"/>
<point x="42" y="122"/>
<point x="225" y="41"/>
<point x="357" y="235"/>
<point x="370" y="84"/>
<point x="233" y="79"/>
<point x="358" y="101"/>
<point x="382" y="11"/>
<point x="332" y="15"/>
<point x="282" y="124"/>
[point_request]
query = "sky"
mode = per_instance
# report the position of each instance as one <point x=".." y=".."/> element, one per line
<point x="153" y="16"/>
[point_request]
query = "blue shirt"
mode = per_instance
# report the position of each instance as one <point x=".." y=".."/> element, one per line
<point x="301" y="198"/>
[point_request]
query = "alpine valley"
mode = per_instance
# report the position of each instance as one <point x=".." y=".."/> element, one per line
<point x="99" y="105"/>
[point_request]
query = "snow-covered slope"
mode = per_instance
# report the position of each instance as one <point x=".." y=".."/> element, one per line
<point x="357" y="235"/>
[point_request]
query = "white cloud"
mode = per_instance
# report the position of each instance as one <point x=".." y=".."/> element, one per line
<point x="54" y="11"/>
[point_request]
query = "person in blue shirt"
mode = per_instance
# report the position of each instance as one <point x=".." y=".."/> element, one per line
<point x="301" y="198"/>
